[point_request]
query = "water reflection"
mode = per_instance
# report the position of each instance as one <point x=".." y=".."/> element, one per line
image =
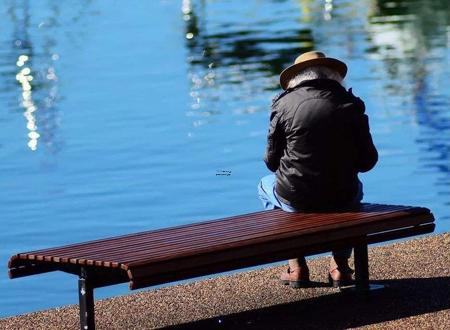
<point x="33" y="57"/>
<point x="24" y="77"/>
<point x="398" y="53"/>
<point x="253" y="48"/>
<point x="412" y="40"/>
<point x="238" y="54"/>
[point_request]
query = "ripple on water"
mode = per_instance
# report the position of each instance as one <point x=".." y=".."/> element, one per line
<point x="129" y="120"/>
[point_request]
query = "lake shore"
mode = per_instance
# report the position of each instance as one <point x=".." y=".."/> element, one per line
<point x="416" y="273"/>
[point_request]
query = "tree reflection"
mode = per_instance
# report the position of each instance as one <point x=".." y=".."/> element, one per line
<point x="411" y="38"/>
<point x="235" y="54"/>
<point x="270" y="51"/>
<point x="234" y="61"/>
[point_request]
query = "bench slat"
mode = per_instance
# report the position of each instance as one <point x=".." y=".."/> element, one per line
<point x="212" y="238"/>
<point x="166" y="277"/>
<point x="259" y="246"/>
<point x="268" y="217"/>
<point x="181" y="237"/>
<point x="155" y="247"/>
<point x="97" y="250"/>
<point x="190" y="243"/>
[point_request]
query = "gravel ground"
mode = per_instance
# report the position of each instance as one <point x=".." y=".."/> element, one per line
<point x="417" y="296"/>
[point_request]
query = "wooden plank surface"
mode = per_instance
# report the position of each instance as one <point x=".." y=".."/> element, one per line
<point x="155" y="278"/>
<point x="206" y="237"/>
<point x="264" y="218"/>
<point x="257" y="248"/>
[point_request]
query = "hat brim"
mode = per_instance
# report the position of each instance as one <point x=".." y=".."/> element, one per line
<point x="293" y="70"/>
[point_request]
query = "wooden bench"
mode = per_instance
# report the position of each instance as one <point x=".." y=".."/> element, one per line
<point x="177" y="253"/>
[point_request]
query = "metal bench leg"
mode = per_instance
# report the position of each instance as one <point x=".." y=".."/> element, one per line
<point x="362" y="269"/>
<point x="86" y="298"/>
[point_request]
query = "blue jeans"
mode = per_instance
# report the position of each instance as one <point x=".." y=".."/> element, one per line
<point x="270" y="200"/>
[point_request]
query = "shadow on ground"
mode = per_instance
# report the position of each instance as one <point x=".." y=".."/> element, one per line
<point x="401" y="298"/>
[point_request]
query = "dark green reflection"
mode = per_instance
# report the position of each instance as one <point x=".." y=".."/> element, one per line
<point x="411" y="38"/>
<point x="407" y="29"/>
<point x="266" y="51"/>
<point x="429" y="16"/>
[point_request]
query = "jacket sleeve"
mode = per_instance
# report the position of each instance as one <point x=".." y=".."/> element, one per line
<point x="367" y="152"/>
<point x="276" y="142"/>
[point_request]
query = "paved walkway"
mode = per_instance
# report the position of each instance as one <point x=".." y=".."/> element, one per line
<point x="418" y="297"/>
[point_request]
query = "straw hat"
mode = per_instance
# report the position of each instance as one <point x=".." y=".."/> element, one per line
<point x="310" y="59"/>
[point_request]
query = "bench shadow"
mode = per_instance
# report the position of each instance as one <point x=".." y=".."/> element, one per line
<point x="347" y="309"/>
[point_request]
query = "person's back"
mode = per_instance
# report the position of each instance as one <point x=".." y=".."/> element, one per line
<point x="326" y="145"/>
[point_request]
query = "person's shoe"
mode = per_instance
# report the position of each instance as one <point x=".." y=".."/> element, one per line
<point x="296" y="278"/>
<point x="338" y="277"/>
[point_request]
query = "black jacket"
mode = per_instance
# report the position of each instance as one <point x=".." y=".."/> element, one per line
<point x="318" y="141"/>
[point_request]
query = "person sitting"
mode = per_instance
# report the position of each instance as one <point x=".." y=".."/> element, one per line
<point x="318" y="141"/>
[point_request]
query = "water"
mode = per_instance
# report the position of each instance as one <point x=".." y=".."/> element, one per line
<point x="133" y="112"/>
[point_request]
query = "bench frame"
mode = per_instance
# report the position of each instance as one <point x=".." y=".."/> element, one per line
<point x="89" y="280"/>
<point x="412" y="221"/>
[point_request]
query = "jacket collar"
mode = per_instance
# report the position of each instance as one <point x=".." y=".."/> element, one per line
<point x="320" y="84"/>
<point x="315" y="83"/>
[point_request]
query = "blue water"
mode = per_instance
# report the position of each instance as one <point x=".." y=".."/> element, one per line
<point x="133" y="110"/>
